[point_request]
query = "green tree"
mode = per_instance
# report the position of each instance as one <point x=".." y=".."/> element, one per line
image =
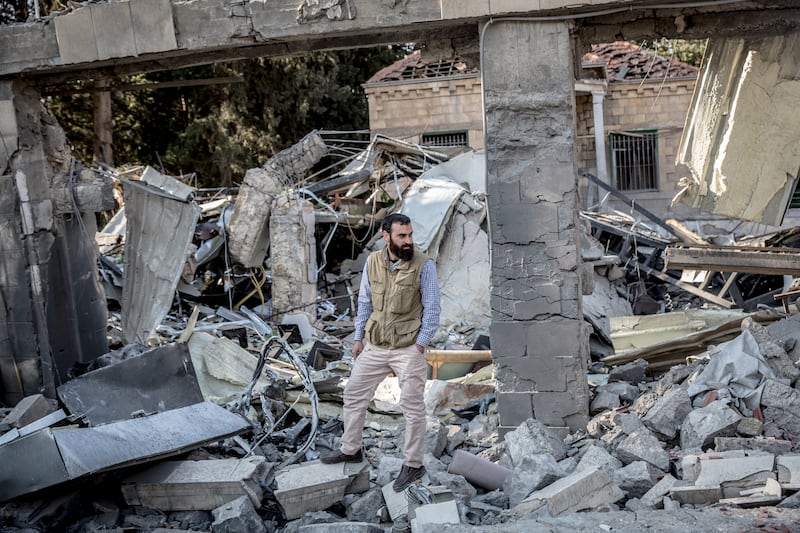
<point x="687" y="51"/>
<point x="219" y="131"/>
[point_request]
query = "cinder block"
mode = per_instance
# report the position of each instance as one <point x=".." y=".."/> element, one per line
<point x="514" y="407"/>
<point x="585" y="489"/>
<point x="153" y="28"/>
<point x="28" y="410"/>
<point x="562" y="408"/>
<point x="75" y="36"/>
<point x="315" y="486"/>
<point x="113" y="30"/>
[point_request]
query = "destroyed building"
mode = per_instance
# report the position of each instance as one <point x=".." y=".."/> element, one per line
<point x="239" y="404"/>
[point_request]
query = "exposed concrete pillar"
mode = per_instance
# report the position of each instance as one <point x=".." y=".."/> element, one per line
<point x="539" y="341"/>
<point x="600" y="135"/>
<point x="52" y="308"/>
<point x="293" y="255"/>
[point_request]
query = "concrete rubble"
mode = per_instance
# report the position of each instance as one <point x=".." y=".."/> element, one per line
<point x="210" y="410"/>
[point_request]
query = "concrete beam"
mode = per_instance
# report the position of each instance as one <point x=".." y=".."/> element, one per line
<point x="166" y="34"/>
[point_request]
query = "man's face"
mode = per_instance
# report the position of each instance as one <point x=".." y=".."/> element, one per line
<point x="400" y="242"/>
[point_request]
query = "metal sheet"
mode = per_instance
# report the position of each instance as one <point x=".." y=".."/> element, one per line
<point x="30" y="463"/>
<point x="90" y="450"/>
<point x="159" y="231"/>
<point x="155" y="381"/>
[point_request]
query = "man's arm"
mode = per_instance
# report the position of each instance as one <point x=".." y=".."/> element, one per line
<point x="363" y="312"/>
<point x="429" y="291"/>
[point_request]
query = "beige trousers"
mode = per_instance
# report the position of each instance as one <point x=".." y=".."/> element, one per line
<point x="370" y="368"/>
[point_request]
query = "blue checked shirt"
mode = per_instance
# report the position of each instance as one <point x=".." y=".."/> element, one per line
<point x="429" y="291"/>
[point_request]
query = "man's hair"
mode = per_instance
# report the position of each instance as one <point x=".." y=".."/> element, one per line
<point x="394" y="218"/>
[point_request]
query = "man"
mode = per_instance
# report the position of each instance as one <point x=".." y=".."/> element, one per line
<point x="398" y="313"/>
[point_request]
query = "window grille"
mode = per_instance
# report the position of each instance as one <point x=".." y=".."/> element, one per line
<point x="634" y="160"/>
<point x="445" y="139"/>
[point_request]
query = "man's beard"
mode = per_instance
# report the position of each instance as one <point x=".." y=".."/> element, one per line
<point x="403" y="252"/>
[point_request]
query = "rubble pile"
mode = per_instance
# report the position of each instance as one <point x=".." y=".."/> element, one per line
<point x="213" y="407"/>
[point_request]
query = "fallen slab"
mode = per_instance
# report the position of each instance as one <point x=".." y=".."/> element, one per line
<point x="586" y="489"/>
<point x="27" y="410"/>
<point x="315" y="486"/>
<point x="197" y="485"/>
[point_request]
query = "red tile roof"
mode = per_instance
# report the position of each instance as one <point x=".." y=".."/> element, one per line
<point x="413" y="67"/>
<point x="624" y="61"/>
<point x="628" y="61"/>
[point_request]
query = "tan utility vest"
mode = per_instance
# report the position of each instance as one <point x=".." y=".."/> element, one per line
<point x="396" y="301"/>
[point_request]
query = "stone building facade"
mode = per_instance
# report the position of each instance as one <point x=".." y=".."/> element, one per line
<point x="645" y="93"/>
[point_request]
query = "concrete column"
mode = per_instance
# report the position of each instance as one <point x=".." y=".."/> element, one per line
<point x="293" y="255"/>
<point x="52" y="309"/>
<point x="539" y="341"/>
<point x="599" y="135"/>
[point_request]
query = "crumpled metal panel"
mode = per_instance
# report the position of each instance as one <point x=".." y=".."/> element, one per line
<point x="158" y="380"/>
<point x="51" y="456"/>
<point x="30" y="463"/>
<point x="159" y="231"/>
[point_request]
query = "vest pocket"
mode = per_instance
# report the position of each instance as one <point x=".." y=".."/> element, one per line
<point x="403" y="295"/>
<point x="378" y="292"/>
<point x="406" y="331"/>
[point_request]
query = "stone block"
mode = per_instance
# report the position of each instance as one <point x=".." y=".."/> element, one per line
<point x="560" y="409"/>
<point x="597" y="456"/>
<point x="667" y="415"/>
<point x="514" y="408"/>
<point x="643" y="446"/>
<point x="367" y="507"/>
<point x="625" y="391"/>
<point x="717" y="471"/>
<point x="635" y="479"/>
<point x="749" y="427"/>
<point x="632" y="372"/>
<point x="113" y="30"/>
<point x="773" y="446"/>
<point x="236" y="516"/>
<point x="29" y="409"/>
<point x="604" y="401"/>
<point x="531" y="473"/>
<point x="75" y="36"/>
<point x="427" y="516"/>
<point x="701" y="426"/>
<point x="653" y="497"/>
<point x="586" y="489"/>
<point x="694" y="495"/>
<point x="153" y="29"/>
<point x="788" y="469"/>
<point x="527" y="223"/>
<point x="314" y="486"/>
<point x="542" y="374"/>
<point x="533" y="438"/>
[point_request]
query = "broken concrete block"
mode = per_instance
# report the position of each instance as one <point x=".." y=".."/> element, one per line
<point x="632" y="372"/>
<point x="342" y="527"/>
<point x="597" y="456"/>
<point x="643" y="446"/>
<point x="701" y="425"/>
<point x="635" y="479"/>
<point x="478" y="471"/>
<point x="628" y="422"/>
<point x="399" y="504"/>
<point x="695" y="495"/>
<point x="653" y="497"/>
<point x="667" y="415"/>
<point x="768" y="494"/>
<point x="788" y="468"/>
<point x="532" y="473"/>
<point x="315" y="486"/>
<point x="426" y="517"/>
<point x="586" y="489"/>
<point x="367" y="507"/>
<point x="28" y="410"/>
<point x="458" y="485"/>
<point x="196" y="485"/>
<point x="689" y="465"/>
<point x="781" y="405"/>
<point x="749" y="427"/>
<point x="533" y="438"/>
<point x="624" y="390"/>
<point x="604" y="401"/>
<point x="293" y="256"/>
<point x="236" y="516"/>
<point x="773" y="446"/>
<point x="718" y="471"/>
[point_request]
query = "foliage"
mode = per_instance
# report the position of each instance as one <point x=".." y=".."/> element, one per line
<point x="219" y="131"/>
<point x="687" y="51"/>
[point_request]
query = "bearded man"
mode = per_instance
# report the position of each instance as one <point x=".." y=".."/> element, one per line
<point x="398" y="313"/>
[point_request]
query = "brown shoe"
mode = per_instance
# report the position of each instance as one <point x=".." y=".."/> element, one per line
<point x="338" y="456"/>
<point x="407" y="476"/>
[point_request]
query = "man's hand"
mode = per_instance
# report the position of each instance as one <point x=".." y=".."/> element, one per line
<point x="421" y="348"/>
<point x="358" y="347"/>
